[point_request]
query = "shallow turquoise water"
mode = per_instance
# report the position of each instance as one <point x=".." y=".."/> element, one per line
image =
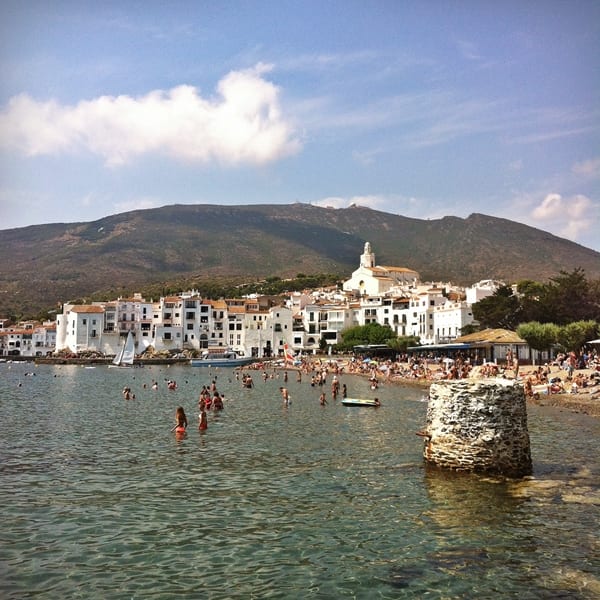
<point x="100" y="500"/>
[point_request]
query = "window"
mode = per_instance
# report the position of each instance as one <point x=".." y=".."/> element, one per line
<point x="84" y="321"/>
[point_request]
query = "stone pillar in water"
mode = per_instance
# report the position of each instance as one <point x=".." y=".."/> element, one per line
<point x="478" y="425"/>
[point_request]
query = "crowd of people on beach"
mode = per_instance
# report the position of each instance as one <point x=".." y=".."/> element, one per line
<point x="566" y="379"/>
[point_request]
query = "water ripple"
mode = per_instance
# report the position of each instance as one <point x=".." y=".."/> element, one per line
<point x="100" y="500"/>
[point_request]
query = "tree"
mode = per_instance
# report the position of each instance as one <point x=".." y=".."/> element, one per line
<point x="539" y="336"/>
<point x="568" y="298"/>
<point x="402" y="342"/>
<point x="530" y="293"/>
<point x="469" y="328"/>
<point x="574" y="335"/>
<point x="372" y="333"/>
<point x="501" y="309"/>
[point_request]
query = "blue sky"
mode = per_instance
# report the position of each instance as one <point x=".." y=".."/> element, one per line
<point x="423" y="109"/>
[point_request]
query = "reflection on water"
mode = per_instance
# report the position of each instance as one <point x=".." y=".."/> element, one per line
<point x="99" y="499"/>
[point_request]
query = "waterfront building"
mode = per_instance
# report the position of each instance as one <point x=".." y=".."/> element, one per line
<point x="262" y="325"/>
<point x="324" y="320"/>
<point x="268" y="331"/>
<point x="27" y="339"/>
<point x="79" y="328"/>
<point x="167" y="325"/>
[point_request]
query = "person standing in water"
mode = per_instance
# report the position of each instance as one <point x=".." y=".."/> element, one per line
<point x="181" y="421"/>
<point x="285" y="395"/>
<point x="202" y="418"/>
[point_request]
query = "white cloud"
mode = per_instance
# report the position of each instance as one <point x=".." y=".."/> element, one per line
<point x="242" y="124"/>
<point x="390" y="204"/>
<point x="137" y="204"/>
<point x="588" y="168"/>
<point x="375" y="202"/>
<point x="570" y="217"/>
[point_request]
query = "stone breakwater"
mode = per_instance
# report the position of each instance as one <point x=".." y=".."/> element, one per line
<point x="478" y="425"/>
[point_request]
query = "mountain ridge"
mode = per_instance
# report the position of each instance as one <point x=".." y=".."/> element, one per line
<point x="45" y="265"/>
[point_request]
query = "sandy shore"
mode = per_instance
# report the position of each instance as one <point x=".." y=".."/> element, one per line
<point x="587" y="402"/>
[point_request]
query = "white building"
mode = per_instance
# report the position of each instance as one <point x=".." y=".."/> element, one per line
<point x="390" y="296"/>
<point x="27" y="339"/>
<point x="372" y="280"/>
<point x="482" y="289"/>
<point x="79" y="328"/>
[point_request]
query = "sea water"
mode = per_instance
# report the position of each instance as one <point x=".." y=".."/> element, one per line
<point x="99" y="499"/>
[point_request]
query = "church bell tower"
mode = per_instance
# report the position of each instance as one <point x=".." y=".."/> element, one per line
<point x="367" y="258"/>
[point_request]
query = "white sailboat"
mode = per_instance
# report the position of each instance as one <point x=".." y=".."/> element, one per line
<point x="126" y="355"/>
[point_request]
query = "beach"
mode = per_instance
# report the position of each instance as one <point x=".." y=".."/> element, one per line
<point x="586" y="401"/>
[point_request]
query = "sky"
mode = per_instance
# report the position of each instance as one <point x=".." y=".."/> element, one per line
<point x="418" y="108"/>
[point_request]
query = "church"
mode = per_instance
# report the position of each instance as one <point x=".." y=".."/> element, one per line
<point x="372" y="280"/>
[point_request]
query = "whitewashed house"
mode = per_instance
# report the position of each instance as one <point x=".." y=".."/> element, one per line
<point x="482" y="289"/>
<point x="79" y="328"/>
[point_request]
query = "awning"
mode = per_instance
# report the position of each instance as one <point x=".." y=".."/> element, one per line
<point x="462" y="346"/>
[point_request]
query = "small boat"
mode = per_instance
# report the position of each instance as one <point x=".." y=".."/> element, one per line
<point x="361" y="402"/>
<point x="126" y="355"/>
<point x="228" y="358"/>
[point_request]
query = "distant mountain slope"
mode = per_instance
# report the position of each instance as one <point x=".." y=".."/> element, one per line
<point x="44" y="265"/>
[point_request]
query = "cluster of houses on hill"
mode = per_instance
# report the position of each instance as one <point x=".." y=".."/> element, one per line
<point x="258" y="326"/>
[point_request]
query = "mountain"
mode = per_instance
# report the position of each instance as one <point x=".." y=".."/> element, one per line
<point x="45" y="265"/>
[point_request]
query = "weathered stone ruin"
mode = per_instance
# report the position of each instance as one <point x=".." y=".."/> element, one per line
<point x="478" y="425"/>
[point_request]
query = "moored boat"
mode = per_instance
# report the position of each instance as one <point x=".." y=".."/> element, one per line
<point x="228" y="358"/>
<point x="361" y="402"/>
<point x="126" y="355"/>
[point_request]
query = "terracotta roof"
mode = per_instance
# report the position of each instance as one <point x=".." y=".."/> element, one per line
<point x="87" y="308"/>
<point x="6" y="332"/>
<point x="237" y="309"/>
<point x="399" y="269"/>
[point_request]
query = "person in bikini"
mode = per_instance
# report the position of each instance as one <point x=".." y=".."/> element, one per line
<point x="181" y="421"/>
